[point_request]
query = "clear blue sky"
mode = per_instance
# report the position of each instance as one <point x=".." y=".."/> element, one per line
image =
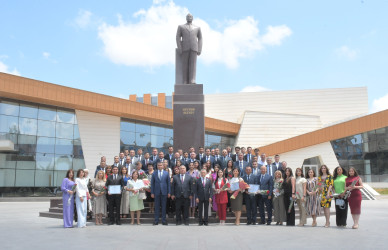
<point x="104" y="47"/>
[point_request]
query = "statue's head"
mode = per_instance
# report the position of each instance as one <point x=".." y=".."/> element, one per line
<point x="189" y="18"/>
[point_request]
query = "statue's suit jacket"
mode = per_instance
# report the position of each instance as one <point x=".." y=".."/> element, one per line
<point x="191" y="38"/>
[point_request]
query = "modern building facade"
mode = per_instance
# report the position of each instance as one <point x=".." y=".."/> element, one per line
<point x="46" y="129"/>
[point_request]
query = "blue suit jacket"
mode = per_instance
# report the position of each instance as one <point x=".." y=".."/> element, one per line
<point x="162" y="186"/>
<point x="266" y="183"/>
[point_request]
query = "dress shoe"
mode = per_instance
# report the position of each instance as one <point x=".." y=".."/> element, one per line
<point x="205" y="223"/>
<point x="164" y="223"/>
<point x="268" y="223"/>
<point x="186" y="223"/>
<point x="110" y="223"/>
<point x="253" y="223"/>
<point x="248" y="223"/>
<point x="118" y="223"/>
<point x="155" y="223"/>
<point x="262" y="223"/>
<point x="200" y="223"/>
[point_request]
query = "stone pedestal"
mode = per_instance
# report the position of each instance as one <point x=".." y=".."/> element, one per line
<point x="189" y="116"/>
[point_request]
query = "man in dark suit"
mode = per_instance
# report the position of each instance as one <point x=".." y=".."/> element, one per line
<point x="114" y="199"/>
<point x="116" y="163"/>
<point x="146" y="161"/>
<point x="128" y="165"/>
<point x="235" y="156"/>
<point x="159" y="159"/>
<point x="102" y="166"/>
<point x="224" y="159"/>
<point x="174" y="161"/>
<point x="271" y="169"/>
<point x="248" y="157"/>
<point x="154" y="155"/>
<point x="182" y="191"/>
<point x="283" y="170"/>
<point x="204" y="191"/>
<point x="229" y="150"/>
<point x="266" y="183"/>
<point x="160" y="191"/>
<point x="277" y="163"/>
<point x="170" y="155"/>
<point x="122" y="158"/>
<point x="207" y="157"/>
<point x="200" y="154"/>
<point x="250" y="199"/>
<point x="241" y="164"/>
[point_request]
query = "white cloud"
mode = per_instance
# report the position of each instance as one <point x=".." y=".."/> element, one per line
<point x="83" y="19"/>
<point x="346" y="53"/>
<point x="46" y="55"/>
<point x="256" y="88"/>
<point x="380" y="104"/>
<point x="150" y="41"/>
<point x="4" y="69"/>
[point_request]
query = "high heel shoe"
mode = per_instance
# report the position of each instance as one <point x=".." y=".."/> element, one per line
<point x="327" y="225"/>
<point x="355" y="227"/>
<point x="314" y="224"/>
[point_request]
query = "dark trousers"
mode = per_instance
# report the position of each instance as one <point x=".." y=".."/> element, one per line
<point x="341" y="214"/>
<point x="182" y="207"/>
<point x="251" y="204"/>
<point x="203" y="204"/>
<point x="189" y="66"/>
<point x="114" y="206"/>
<point x="160" y="200"/>
<point x="290" y="216"/>
<point x="263" y="200"/>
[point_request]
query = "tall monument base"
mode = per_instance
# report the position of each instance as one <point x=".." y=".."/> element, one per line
<point x="189" y="116"/>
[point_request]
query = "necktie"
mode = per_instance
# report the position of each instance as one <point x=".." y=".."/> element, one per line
<point x="203" y="182"/>
<point x="262" y="177"/>
<point x="249" y="157"/>
<point x="248" y="178"/>
<point x="182" y="178"/>
<point x="240" y="164"/>
<point x="115" y="177"/>
<point x="160" y="175"/>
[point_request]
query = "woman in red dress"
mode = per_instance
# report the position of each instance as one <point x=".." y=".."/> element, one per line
<point x="355" y="195"/>
<point x="221" y="197"/>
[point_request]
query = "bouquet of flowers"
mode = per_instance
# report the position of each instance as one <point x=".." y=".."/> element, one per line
<point x="242" y="185"/>
<point x="142" y="176"/>
<point x="278" y="188"/>
<point x="349" y="191"/>
<point x="225" y="187"/>
<point x="101" y="191"/>
<point x="72" y="189"/>
<point x="292" y="201"/>
<point x="263" y="192"/>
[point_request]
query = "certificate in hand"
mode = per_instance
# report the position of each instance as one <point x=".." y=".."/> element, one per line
<point x="234" y="186"/>
<point x="114" y="189"/>
<point x="253" y="188"/>
<point x="138" y="185"/>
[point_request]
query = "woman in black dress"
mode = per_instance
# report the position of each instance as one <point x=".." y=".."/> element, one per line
<point x="289" y="196"/>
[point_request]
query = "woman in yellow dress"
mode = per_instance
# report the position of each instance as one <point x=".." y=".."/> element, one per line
<point x="325" y="183"/>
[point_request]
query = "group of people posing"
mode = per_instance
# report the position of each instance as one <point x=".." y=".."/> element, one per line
<point x="188" y="184"/>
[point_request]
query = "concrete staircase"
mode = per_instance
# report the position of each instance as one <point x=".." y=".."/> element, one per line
<point x="56" y="211"/>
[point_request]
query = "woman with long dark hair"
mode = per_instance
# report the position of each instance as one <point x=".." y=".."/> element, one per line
<point x="237" y="202"/>
<point x="341" y="204"/>
<point x="312" y="203"/>
<point x="353" y="185"/>
<point x="68" y="198"/>
<point x="80" y="199"/>
<point x="289" y="196"/>
<point x="124" y="205"/>
<point x="300" y="187"/>
<point x="221" y="197"/>
<point x="325" y="182"/>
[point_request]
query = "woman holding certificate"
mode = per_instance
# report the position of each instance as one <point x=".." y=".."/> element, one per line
<point x="135" y="204"/>
<point x="221" y="196"/>
<point x="236" y="201"/>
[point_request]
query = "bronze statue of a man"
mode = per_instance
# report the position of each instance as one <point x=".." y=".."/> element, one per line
<point x="189" y="43"/>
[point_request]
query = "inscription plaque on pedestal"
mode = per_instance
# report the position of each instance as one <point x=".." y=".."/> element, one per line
<point x="189" y="116"/>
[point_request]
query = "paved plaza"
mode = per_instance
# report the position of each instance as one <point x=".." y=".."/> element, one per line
<point x="21" y="228"/>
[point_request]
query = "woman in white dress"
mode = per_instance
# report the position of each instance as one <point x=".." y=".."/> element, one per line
<point x="81" y="198"/>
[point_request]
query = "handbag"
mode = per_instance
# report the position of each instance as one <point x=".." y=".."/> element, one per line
<point x="340" y="203"/>
<point x="142" y="195"/>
